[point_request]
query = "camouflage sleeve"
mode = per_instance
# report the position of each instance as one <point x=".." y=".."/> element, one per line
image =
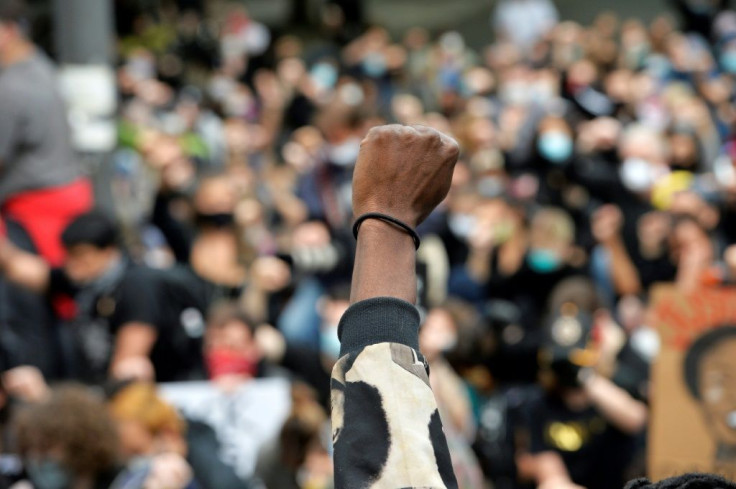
<point x="386" y="428"/>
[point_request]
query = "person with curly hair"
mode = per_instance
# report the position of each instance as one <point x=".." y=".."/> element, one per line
<point x="68" y="441"/>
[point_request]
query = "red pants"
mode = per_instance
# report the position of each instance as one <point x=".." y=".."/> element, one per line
<point x="46" y="212"/>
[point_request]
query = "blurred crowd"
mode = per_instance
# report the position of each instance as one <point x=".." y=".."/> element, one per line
<point x="183" y="336"/>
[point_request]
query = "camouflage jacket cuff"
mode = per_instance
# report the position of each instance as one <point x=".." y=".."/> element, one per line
<point x="379" y="320"/>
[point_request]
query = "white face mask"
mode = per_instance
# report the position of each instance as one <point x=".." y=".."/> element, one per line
<point x="515" y="93"/>
<point x="646" y="342"/>
<point x="637" y="174"/>
<point x="461" y="225"/>
<point x="345" y="153"/>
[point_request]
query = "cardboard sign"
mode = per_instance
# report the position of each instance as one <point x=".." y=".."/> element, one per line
<point x="693" y="420"/>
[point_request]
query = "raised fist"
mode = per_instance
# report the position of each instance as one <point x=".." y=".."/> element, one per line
<point x="403" y="171"/>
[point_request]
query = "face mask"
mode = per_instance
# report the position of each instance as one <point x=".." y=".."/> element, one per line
<point x="659" y="66"/>
<point x="216" y="220"/>
<point x="544" y="261"/>
<point x="543" y="92"/>
<point x="345" y="153"/>
<point x="646" y="342"/>
<point x="238" y="105"/>
<point x="227" y="362"/>
<point x="461" y="225"/>
<point x="555" y="146"/>
<point x="48" y="474"/>
<point x="728" y="61"/>
<point x="491" y="187"/>
<point x="637" y="55"/>
<point x="374" y="65"/>
<point x="324" y="75"/>
<point x="637" y="175"/>
<point x="329" y="343"/>
<point x="515" y="93"/>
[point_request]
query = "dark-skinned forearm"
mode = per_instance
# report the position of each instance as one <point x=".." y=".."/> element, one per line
<point x="385" y="263"/>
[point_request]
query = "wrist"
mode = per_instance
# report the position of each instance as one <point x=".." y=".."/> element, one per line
<point x="385" y="263"/>
<point x="383" y="230"/>
<point x="389" y="220"/>
<point x="408" y="218"/>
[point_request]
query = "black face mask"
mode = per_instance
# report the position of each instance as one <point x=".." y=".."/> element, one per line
<point x="216" y="220"/>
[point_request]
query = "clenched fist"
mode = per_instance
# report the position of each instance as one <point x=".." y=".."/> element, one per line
<point x="403" y="171"/>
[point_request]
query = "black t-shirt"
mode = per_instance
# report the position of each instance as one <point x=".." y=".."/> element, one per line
<point x="528" y="291"/>
<point x="164" y="300"/>
<point x="595" y="453"/>
<point x="527" y="288"/>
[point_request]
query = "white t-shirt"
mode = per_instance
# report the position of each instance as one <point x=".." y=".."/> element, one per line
<point x="244" y="421"/>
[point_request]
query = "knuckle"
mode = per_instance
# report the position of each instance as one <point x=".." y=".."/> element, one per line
<point x="452" y="148"/>
<point x="375" y="132"/>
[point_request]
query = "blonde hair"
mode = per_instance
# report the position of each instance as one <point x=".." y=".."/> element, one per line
<point x="140" y="402"/>
<point x="553" y="224"/>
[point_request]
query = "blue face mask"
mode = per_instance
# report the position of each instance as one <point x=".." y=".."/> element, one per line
<point x="324" y="75"/>
<point x="48" y="474"/>
<point x="555" y="146"/>
<point x="329" y="343"/>
<point x="374" y="65"/>
<point x="728" y="61"/>
<point x="543" y="261"/>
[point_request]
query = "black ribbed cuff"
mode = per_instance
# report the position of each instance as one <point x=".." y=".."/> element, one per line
<point x="378" y="320"/>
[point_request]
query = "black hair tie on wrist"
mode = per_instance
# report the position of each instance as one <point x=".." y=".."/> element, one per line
<point x="389" y="219"/>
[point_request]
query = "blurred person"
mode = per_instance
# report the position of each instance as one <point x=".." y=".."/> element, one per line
<point x="685" y="153"/>
<point x="41" y="183"/>
<point x="239" y="410"/>
<point x="325" y="190"/>
<point x="117" y="311"/>
<point x="152" y="442"/>
<point x="644" y="156"/>
<point x="437" y="337"/>
<point x="693" y="250"/>
<point x="146" y="424"/>
<point x="582" y="428"/>
<point x="306" y="363"/>
<point x="625" y="264"/>
<point x="303" y="447"/>
<point x="68" y="441"/>
<point x="548" y="258"/>
<point x="223" y="245"/>
<point x="158" y="445"/>
<point x="596" y="167"/>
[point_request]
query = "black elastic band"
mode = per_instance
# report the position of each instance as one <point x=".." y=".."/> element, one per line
<point x="389" y="219"/>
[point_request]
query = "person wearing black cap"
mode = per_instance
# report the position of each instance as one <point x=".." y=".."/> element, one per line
<point x="121" y="314"/>
<point x="582" y="428"/>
